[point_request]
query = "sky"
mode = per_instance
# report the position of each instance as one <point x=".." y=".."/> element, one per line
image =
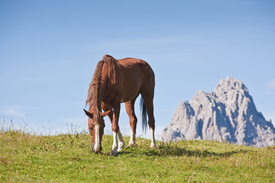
<point x="49" y="51"/>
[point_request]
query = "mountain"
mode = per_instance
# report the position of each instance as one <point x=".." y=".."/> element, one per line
<point x="226" y="114"/>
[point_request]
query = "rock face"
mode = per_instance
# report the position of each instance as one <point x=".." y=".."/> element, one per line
<point x="226" y="114"/>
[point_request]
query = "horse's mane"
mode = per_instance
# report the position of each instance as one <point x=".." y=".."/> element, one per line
<point x="94" y="88"/>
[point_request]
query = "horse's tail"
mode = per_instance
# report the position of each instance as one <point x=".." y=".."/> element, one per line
<point x="143" y="115"/>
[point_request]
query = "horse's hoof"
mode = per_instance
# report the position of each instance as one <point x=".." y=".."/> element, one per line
<point x="113" y="153"/>
<point x="131" y="144"/>
<point x="153" y="146"/>
<point x="119" y="149"/>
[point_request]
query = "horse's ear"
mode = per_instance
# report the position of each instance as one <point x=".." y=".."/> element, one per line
<point x="105" y="113"/>
<point x="90" y="115"/>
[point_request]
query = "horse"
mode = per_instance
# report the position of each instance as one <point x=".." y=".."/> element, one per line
<point x="115" y="82"/>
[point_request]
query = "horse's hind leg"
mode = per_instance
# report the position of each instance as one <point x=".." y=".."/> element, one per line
<point x="132" y="120"/>
<point x="148" y="100"/>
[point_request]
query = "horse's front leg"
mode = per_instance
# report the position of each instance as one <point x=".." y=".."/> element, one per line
<point x="120" y="141"/>
<point x="132" y="120"/>
<point x="119" y="136"/>
<point x="117" y="147"/>
<point x="116" y="133"/>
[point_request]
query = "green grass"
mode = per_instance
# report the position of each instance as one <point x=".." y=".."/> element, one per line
<point x="68" y="158"/>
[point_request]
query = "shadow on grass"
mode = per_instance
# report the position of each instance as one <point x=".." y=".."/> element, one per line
<point x="176" y="151"/>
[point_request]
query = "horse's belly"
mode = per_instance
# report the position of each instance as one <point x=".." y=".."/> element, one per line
<point x="129" y="98"/>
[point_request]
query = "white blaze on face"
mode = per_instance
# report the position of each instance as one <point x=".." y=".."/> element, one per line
<point x="97" y="139"/>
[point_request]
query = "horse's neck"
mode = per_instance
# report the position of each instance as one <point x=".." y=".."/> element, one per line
<point x="101" y="90"/>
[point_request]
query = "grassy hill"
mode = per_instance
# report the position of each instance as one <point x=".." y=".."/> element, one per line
<point x="68" y="158"/>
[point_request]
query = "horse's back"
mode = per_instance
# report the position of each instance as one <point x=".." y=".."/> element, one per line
<point x="133" y="75"/>
<point x="132" y="62"/>
<point x="135" y="64"/>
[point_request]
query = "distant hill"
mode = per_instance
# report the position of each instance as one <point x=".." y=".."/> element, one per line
<point x="226" y="114"/>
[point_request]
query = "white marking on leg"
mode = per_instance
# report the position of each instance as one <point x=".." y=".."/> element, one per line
<point x="114" y="148"/>
<point x="97" y="139"/>
<point x="120" y="141"/>
<point x="153" y="142"/>
<point x="132" y="139"/>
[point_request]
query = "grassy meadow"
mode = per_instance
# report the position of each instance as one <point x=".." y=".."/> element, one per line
<point x="68" y="158"/>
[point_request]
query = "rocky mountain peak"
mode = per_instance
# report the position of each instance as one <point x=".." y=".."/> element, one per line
<point x="227" y="113"/>
<point x="228" y="85"/>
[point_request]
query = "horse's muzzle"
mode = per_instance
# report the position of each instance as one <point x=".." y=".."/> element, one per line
<point x="96" y="151"/>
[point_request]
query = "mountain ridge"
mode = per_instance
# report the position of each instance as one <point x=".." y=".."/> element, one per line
<point x="227" y="113"/>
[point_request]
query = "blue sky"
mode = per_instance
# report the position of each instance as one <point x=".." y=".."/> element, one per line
<point x="49" y="50"/>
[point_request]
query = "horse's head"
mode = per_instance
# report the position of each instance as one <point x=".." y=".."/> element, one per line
<point x="96" y="128"/>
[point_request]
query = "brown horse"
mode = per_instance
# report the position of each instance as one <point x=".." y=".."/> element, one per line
<point x="115" y="82"/>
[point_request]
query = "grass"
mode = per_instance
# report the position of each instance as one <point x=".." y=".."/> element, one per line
<point x="68" y="158"/>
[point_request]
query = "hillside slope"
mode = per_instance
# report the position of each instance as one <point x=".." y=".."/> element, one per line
<point x="68" y="158"/>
